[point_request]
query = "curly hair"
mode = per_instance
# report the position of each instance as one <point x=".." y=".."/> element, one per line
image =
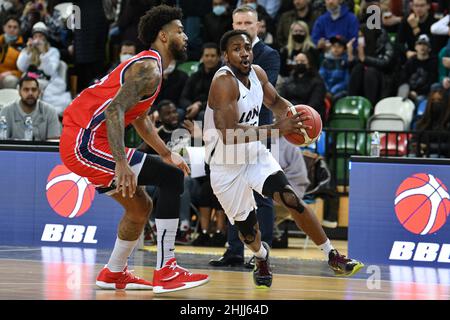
<point x="154" y="20"/>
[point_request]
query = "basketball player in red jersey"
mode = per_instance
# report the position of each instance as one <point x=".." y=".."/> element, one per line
<point x="240" y="163"/>
<point x="92" y="146"/>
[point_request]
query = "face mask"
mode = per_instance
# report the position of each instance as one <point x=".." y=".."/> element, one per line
<point x="299" y="38"/>
<point x="252" y="5"/>
<point x="300" y="68"/>
<point x="219" y="10"/>
<point x="437" y="108"/>
<point x="9" y="38"/>
<point x="124" y="57"/>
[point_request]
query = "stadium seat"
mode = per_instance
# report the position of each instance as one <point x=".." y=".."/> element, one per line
<point x="189" y="67"/>
<point x="8" y="96"/>
<point x="386" y="122"/>
<point x="404" y="108"/>
<point x="354" y="105"/>
<point x="393" y="144"/>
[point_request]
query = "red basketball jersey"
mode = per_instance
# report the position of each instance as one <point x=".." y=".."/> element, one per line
<point x="87" y="109"/>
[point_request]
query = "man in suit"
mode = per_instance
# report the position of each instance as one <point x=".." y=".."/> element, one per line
<point x="246" y="18"/>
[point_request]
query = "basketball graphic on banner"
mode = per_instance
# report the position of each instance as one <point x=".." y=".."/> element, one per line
<point x="68" y="194"/>
<point x="422" y="204"/>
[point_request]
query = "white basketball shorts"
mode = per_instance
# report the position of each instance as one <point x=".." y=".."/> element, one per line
<point x="233" y="184"/>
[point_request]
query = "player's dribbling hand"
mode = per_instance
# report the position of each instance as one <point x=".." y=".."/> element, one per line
<point x="176" y="160"/>
<point x="125" y="179"/>
<point x="292" y="124"/>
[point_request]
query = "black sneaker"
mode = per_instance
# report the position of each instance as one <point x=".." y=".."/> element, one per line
<point x="228" y="259"/>
<point x="343" y="266"/>
<point x="203" y="240"/>
<point x="262" y="274"/>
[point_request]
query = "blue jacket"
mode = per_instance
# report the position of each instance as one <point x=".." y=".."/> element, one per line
<point x="268" y="59"/>
<point x="346" y="25"/>
<point x="335" y="73"/>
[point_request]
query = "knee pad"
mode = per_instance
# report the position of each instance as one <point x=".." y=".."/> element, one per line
<point x="278" y="184"/>
<point x="247" y="228"/>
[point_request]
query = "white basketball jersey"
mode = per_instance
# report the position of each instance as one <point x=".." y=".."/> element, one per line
<point x="249" y="106"/>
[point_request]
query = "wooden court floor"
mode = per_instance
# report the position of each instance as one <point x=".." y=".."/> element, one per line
<point x="54" y="273"/>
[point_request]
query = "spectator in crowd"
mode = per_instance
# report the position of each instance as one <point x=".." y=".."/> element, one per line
<point x="418" y="22"/>
<point x="130" y="13"/>
<point x="335" y="69"/>
<point x="43" y="61"/>
<point x="11" y="42"/>
<point x="172" y="85"/>
<point x="371" y="70"/>
<point x="46" y="125"/>
<point x="40" y="10"/>
<point x="305" y="86"/>
<point x="299" y="41"/>
<point x="419" y="72"/>
<point x="217" y="22"/>
<point x="435" y="118"/>
<point x="337" y="20"/>
<point x="265" y="35"/>
<point x="303" y="11"/>
<point x="195" y="92"/>
<point x="127" y="51"/>
<point x="169" y="123"/>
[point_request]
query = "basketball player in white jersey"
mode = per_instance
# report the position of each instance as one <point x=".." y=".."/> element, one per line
<point x="240" y="163"/>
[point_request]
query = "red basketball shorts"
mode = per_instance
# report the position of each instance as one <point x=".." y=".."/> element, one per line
<point x="85" y="153"/>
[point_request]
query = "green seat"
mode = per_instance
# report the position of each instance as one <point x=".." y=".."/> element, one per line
<point x="189" y="67"/>
<point x="354" y="105"/>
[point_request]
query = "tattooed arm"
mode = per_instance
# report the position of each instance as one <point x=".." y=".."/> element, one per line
<point x="141" y="79"/>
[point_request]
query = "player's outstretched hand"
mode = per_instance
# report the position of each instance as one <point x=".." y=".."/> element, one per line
<point x="176" y="160"/>
<point x="125" y="179"/>
<point x="293" y="124"/>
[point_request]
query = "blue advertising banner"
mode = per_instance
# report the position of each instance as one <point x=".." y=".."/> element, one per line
<point x="399" y="210"/>
<point x="45" y="204"/>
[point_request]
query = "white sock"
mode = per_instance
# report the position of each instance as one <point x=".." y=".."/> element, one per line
<point x="119" y="257"/>
<point x="261" y="253"/>
<point x="166" y="232"/>
<point x="326" y="248"/>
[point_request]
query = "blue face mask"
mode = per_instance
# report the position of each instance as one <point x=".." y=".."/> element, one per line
<point x="252" y="5"/>
<point x="9" y="38"/>
<point x="219" y="10"/>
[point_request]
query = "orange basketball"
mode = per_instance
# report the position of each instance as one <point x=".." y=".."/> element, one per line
<point x="308" y="136"/>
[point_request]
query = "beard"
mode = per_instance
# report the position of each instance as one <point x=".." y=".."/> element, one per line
<point x="178" y="54"/>
<point x="29" y="102"/>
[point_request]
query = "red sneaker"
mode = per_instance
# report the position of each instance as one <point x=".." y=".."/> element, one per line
<point x="107" y="279"/>
<point x="173" y="278"/>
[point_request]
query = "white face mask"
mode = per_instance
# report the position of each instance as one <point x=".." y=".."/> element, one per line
<point x="124" y="57"/>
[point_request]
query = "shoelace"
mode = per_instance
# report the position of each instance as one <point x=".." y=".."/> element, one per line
<point x="128" y="275"/>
